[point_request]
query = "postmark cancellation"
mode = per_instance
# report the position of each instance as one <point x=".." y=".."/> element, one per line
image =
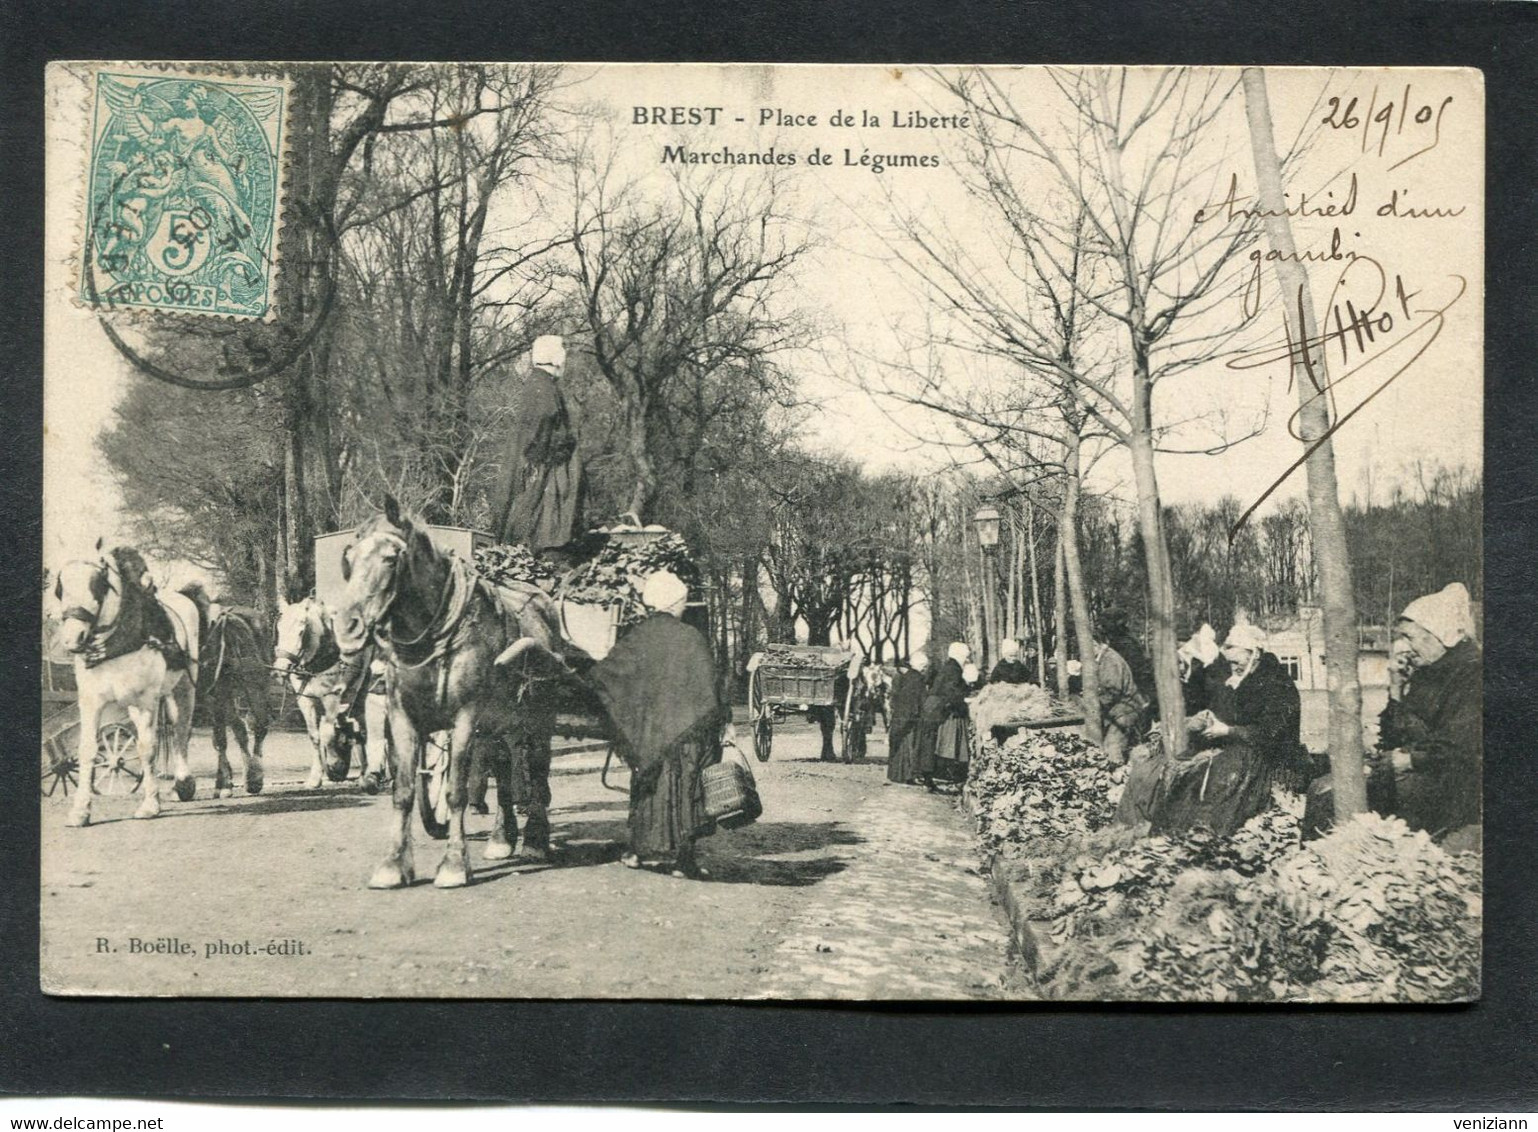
<point x="183" y="201"/>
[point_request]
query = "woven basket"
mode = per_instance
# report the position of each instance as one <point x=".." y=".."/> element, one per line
<point x="731" y="795"/>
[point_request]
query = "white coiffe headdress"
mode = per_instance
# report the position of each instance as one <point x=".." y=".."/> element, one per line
<point x="549" y="352"/>
<point x="665" y="592"/>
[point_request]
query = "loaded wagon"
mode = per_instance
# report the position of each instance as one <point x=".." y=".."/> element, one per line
<point x="799" y="676"/>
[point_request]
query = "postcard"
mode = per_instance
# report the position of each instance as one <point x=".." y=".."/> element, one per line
<point x="739" y="532"/>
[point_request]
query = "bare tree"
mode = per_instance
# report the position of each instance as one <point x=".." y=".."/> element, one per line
<point x="1331" y="554"/>
<point x="445" y="273"/>
<point x="1098" y="219"/>
<point x="674" y="287"/>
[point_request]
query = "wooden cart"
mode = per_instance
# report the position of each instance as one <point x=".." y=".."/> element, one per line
<point x="799" y="676"/>
<point x="119" y="763"/>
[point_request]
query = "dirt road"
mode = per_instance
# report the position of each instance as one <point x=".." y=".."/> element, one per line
<point x="846" y="888"/>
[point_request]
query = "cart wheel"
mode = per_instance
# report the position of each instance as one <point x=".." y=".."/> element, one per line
<point x="433" y="789"/>
<point x="119" y="766"/>
<point x="763" y="738"/>
<point x="61" y="770"/>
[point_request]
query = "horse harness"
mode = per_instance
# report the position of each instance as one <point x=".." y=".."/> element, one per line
<point x="102" y="642"/>
<point x="441" y="629"/>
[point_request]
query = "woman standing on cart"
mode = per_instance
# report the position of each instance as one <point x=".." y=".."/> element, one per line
<point x="658" y="686"/>
<point x="539" y="500"/>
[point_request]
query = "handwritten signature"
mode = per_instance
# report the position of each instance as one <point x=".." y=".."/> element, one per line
<point x="1362" y="333"/>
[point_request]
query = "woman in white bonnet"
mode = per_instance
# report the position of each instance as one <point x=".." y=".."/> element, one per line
<point x="1245" y="741"/>
<point x="943" y="745"/>
<point x="658" y="688"/>
<point x="1434" y="731"/>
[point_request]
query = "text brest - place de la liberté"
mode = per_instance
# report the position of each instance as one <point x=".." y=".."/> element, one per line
<point x="818" y="156"/>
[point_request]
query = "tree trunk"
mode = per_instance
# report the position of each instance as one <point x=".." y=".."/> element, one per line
<point x="638" y="448"/>
<point x="1060" y="614"/>
<point x="1161" y="588"/>
<point x="1041" y="640"/>
<point x="1325" y="519"/>
<point x="1084" y="629"/>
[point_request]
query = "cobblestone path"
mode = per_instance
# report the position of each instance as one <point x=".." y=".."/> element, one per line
<point x="909" y="917"/>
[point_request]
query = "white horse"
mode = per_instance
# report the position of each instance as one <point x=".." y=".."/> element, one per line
<point x="319" y="676"/>
<point x="135" y="649"/>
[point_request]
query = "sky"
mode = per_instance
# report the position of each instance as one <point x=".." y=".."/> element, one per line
<point x="870" y="307"/>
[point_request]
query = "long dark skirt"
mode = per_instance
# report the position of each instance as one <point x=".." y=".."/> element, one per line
<point x="902" y="763"/>
<point x="667" y="802"/>
<point x="1220" y="790"/>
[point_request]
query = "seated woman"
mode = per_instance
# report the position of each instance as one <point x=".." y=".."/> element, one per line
<point x="1432" y="734"/>
<point x="1246" y="742"/>
<point x="658" y="687"/>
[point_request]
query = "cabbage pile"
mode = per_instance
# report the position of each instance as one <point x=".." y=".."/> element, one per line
<point x="1372" y="912"/>
<point x="615" y="575"/>
<point x="1050" y="786"/>
<point x="512" y="562"/>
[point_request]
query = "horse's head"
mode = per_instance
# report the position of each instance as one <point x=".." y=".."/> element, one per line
<point x="81" y="589"/>
<point x="301" y="629"/>
<point x="91" y="593"/>
<point x="377" y="568"/>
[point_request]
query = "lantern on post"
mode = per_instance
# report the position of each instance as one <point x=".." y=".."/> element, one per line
<point x="987" y="522"/>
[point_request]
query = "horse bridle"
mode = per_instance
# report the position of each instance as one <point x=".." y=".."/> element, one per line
<point x="307" y="648"/>
<point x="92" y="618"/>
<point x="388" y="639"/>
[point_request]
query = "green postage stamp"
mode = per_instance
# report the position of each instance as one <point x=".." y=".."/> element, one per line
<point x="185" y="186"/>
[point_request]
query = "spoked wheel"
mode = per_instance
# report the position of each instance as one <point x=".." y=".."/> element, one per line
<point x="119" y="766"/>
<point x="61" y="769"/>
<point x="433" y="789"/>
<point x="763" y="737"/>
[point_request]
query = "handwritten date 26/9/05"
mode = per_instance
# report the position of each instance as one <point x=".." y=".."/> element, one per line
<point x="1388" y="117"/>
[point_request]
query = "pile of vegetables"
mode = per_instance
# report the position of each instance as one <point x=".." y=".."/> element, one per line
<point x="1372" y="912"/>
<point x="812" y="658"/>
<point x="1049" y="786"/>
<point x="1002" y="705"/>
<point x="513" y="562"/>
<point x="616" y="573"/>
<point x="613" y="574"/>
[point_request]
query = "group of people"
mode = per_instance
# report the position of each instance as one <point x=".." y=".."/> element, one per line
<point x="1244" y="721"/>
<point x="928" y="739"/>
<point x="1243" y="710"/>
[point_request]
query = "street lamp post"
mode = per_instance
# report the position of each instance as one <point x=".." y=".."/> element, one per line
<point x="986" y="520"/>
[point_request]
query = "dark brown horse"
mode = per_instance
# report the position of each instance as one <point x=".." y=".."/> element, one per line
<point x="458" y="650"/>
<point x="232" y="687"/>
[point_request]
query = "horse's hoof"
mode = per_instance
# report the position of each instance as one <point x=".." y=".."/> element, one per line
<point x="479" y="808"/>
<point x="253" y="786"/>
<point x="144" y="813"/>
<point x="391" y="874"/>
<point x="452" y="874"/>
<point x="370" y="784"/>
<point x="312" y="783"/>
<point x="77" y="819"/>
<point x="186" y="789"/>
<point x="224" y="792"/>
<point x="534" y="856"/>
